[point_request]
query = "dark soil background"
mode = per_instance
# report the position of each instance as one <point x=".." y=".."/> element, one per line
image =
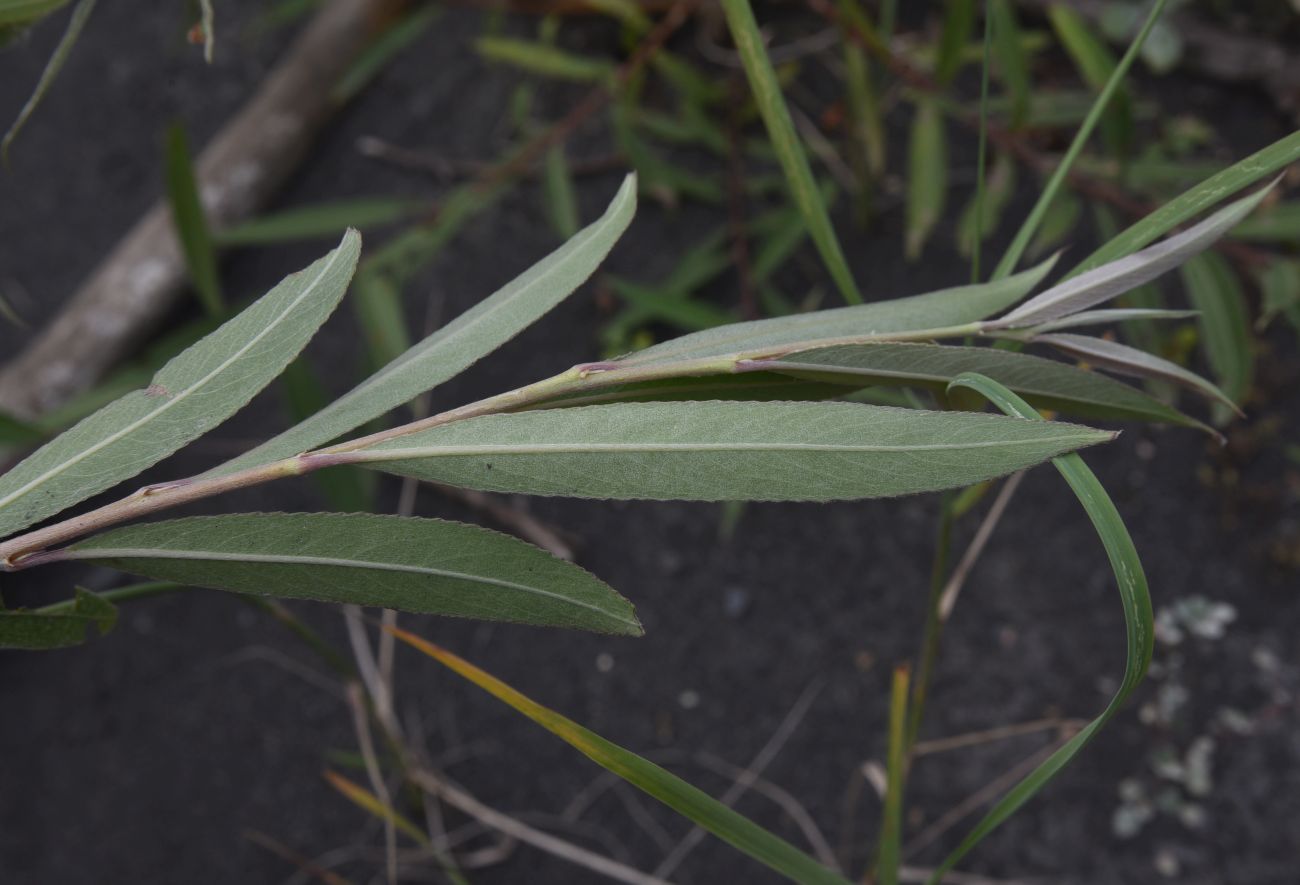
<point x="145" y="756"/>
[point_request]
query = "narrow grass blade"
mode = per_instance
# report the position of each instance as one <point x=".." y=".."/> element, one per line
<point x="462" y="342"/>
<point x="1134" y="596"/>
<point x="15" y="433"/>
<point x="45" y="630"/>
<point x="377" y="302"/>
<point x="1279" y="286"/>
<point x="368" y="801"/>
<point x="1110" y="280"/>
<point x="1193" y="202"/>
<point x="1215" y="291"/>
<point x="982" y="215"/>
<point x="934" y="310"/>
<point x="1013" y="65"/>
<point x="418" y="565"/>
<point x="319" y="220"/>
<point x="20" y="12"/>
<point x="346" y="490"/>
<point x="677" y="794"/>
<point x="197" y="390"/>
<point x="1279" y="223"/>
<point x="191" y="222"/>
<point x="543" y="60"/>
<point x="1031" y="224"/>
<point x="77" y="23"/>
<point x="1046" y="383"/>
<point x="780" y="128"/>
<point x="891" y="828"/>
<point x="958" y="19"/>
<point x="720" y="451"/>
<point x="1132" y="361"/>
<point x="561" y="201"/>
<point x="383" y="50"/>
<point x="209" y="25"/>
<point x="927" y="177"/>
<point x="1096" y="65"/>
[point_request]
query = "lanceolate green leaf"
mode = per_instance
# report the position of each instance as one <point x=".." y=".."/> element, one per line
<point x="677" y="794"/>
<point x="320" y="220"/>
<point x="720" y="451"/>
<point x="197" y="390"/>
<point x="785" y="140"/>
<point x="934" y="310"/>
<point x="1188" y="205"/>
<point x="471" y="336"/>
<point x="419" y="565"/>
<point x="927" y="177"/>
<point x="1046" y="383"/>
<point x="1138" y="620"/>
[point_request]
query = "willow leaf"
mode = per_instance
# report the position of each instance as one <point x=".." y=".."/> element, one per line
<point x="1215" y="291"/>
<point x="724" y="451"/>
<point x="462" y="342"/>
<point x="1132" y="361"/>
<point x="933" y="310"/>
<point x="43" y="630"/>
<point x="1046" y="383"/>
<point x="418" y="565"/>
<point x="198" y="389"/>
<point x="688" y="801"/>
<point x="1106" y="317"/>
<point x="1110" y="280"/>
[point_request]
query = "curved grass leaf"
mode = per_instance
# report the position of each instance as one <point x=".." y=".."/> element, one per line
<point x="418" y="565"/>
<point x="723" y="451"/>
<point x="198" y="389"/>
<point x="785" y="140"/>
<point x="1013" y="65"/>
<point x="1138" y="621"/>
<point x="1132" y="361"/>
<point x="1110" y="280"/>
<point x="1279" y="223"/>
<point x="1046" y="383"/>
<point x="933" y="310"/>
<point x="1096" y="66"/>
<point x="1191" y="203"/>
<point x="77" y="23"/>
<point x="462" y="342"/>
<point x="43" y="630"/>
<point x="190" y="222"/>
<point x="320" y="220"/>
<point x="688" y="801"/>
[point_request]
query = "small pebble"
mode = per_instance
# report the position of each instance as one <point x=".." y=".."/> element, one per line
<point x="735" y="602"/>
<point x="604" y="662"/>
<point x="689" y="699"/>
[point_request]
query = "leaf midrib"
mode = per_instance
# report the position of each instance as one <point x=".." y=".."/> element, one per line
<point x="338" y="562"/>
<point x="180" y="397"/>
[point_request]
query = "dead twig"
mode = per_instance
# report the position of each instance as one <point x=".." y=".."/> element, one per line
<point x="140" y="280"/>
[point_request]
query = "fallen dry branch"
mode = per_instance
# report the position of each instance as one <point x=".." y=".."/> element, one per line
<point x="136" y="284"/>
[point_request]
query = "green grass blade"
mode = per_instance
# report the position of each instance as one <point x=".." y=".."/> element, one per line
<point x="1193" y="202"/>
<point x="688" y="801"/>
<point x="927" y="177"/>
<point x="383" y="50"/>
<point x="1214" y="289"/>
<point x="77" y="23"/>
<point x="780" y="128"/>
<point x="561" y="200"/>
<point x="722" y="451"/>
<point x="1095" y="64"/>
<point x="1134" y="596"/>
<point x="1027" y="230"/>
<point x="1013" y="64"/>
<point x="543" y="60"/>
<point x="891" y="828"/>
<point x="21" y="12"/>
<point x="194" y="392"/>
<point x="191" y="222"/>
<point x="429" y="566"/>
<point x="319" y="220"/>
<point x="462" y="342"/>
